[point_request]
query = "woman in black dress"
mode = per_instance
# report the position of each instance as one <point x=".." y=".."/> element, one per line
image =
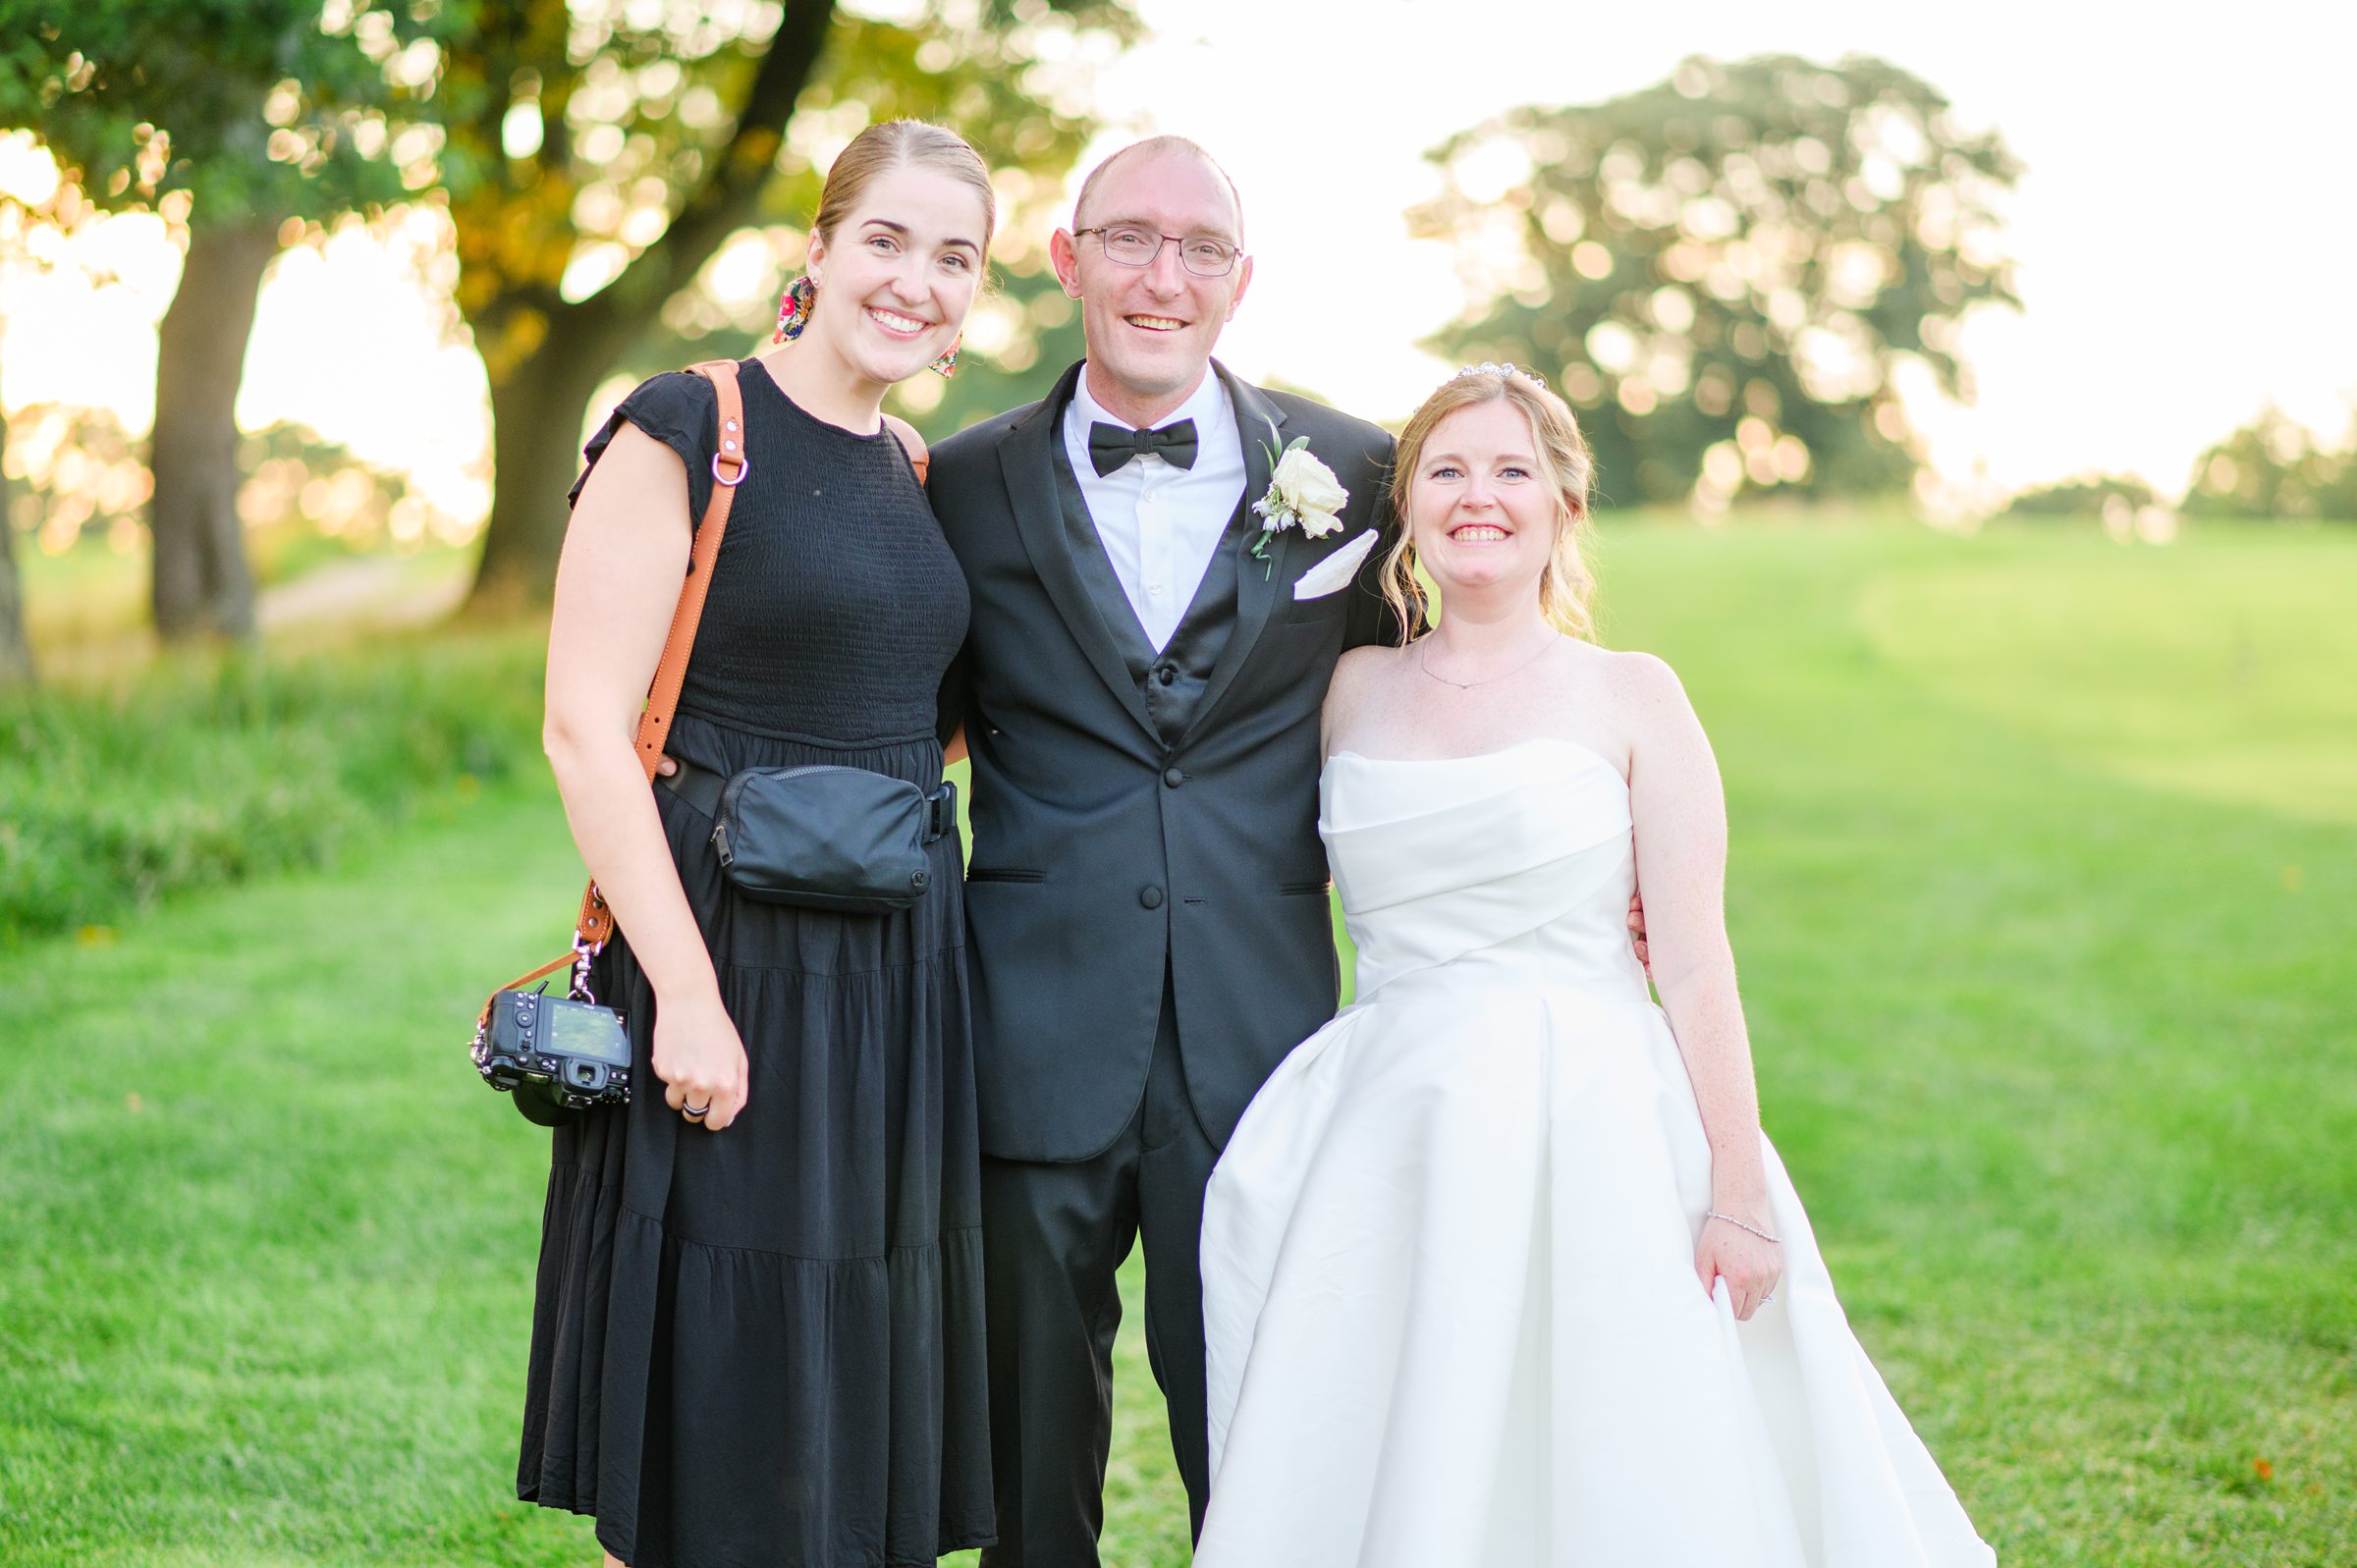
<point x="758" y="1337"/>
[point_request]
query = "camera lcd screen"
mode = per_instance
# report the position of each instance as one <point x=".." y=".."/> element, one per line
<point x="586" y="1032"/>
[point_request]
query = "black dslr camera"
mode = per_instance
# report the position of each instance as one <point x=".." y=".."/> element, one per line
<point x="556" y="1055"/>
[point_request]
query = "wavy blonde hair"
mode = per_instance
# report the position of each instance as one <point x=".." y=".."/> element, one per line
<point x="1565" y="465"/>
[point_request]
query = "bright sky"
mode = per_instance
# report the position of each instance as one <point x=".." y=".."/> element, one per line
<point x="2187" y="231"/>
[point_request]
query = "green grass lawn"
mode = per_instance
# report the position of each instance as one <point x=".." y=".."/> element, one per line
<point x="2043" y="887"/>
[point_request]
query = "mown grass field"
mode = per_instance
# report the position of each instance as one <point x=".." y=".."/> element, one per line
<point x="2045" y="892"/>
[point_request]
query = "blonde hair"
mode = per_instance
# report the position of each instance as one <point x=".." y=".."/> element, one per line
<point x="890" y="144"/>
<point x="1564" y="467"/>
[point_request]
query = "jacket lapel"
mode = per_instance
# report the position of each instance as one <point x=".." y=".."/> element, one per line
<point x="1258" y="583"/>
<point x="1026" y="457"/>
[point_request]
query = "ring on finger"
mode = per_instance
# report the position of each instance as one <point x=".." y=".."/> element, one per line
<point x="695" y="1112"/>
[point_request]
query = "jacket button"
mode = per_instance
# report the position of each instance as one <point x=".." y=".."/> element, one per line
<point x="1151" y="898"/>
<point x="1168" y="675"/>
<point x="1173" y="777"/>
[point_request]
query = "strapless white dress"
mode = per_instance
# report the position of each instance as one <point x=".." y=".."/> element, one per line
<point x="1448" y="1286"/>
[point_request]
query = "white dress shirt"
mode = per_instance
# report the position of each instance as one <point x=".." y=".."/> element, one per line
<point x="1158" y="522"/>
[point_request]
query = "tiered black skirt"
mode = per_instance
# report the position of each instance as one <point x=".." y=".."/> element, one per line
<point x="763" y="1346"/>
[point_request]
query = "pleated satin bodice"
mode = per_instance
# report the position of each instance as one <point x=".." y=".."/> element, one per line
<point x="1511" y="867"/>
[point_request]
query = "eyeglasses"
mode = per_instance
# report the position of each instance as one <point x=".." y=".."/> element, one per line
<point x="1198" y="253"/>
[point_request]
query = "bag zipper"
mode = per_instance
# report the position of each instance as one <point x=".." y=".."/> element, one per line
<point x="735" y="787"/>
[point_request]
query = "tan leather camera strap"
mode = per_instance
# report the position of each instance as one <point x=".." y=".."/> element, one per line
<point x="730" y="465"/>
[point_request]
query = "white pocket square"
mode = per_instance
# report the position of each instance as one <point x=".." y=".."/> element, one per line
<point x="1331" y="574"/>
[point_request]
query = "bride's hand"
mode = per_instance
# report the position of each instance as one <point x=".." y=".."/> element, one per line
<point x="1750" y="1265"/>
<point x="699" y="1057"/>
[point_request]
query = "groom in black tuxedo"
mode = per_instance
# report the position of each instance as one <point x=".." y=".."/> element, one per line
<point x="1147" y="901"/>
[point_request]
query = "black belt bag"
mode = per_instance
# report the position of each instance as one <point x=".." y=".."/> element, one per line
<point x="822" y="838"/>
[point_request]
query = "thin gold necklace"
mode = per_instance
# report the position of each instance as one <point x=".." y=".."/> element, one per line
<point x="1424" y="663"/>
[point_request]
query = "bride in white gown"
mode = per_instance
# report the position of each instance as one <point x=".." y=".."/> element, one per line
<point x="1498" y="1269"/>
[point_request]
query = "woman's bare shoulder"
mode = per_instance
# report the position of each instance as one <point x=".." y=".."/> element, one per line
<point x="1648" y="702"/>
<point x="1358" y="673"/>
<point x="1633" y="676"/>
<point x="1360" y="667"/>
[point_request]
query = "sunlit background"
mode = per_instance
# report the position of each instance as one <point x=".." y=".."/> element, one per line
<point x="2182" y="231"/>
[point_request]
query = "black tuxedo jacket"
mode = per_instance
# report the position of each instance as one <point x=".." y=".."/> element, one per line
<point x="1104" y="852"/>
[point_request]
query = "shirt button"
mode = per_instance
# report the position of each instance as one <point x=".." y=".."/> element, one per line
<point x="1173" y="777"/>
<point x="1150" y="897"/>
<point x="1154" y="591"/>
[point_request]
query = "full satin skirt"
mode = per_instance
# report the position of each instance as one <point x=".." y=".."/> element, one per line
<point x="1453" y="1319"/>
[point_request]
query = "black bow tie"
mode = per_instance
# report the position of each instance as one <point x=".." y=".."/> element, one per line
<point x="1111" y="446"/>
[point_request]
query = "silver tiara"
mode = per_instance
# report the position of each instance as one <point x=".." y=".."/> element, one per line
<point x="1491" y="367"/>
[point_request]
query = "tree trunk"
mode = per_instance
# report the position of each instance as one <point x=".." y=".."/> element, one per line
<point x="16" y="654"/>
<point x="536" y="417"/>
<point x="538" y="395"/>
<point x="202" y="585"/>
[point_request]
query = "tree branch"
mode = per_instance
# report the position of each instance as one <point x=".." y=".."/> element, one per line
<point x="731" y="192"/>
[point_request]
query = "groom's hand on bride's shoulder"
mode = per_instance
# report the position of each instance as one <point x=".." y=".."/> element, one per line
<point x="1636" y="930"/>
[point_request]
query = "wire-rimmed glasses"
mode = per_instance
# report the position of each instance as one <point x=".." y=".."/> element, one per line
<point x="1134" y="247"/>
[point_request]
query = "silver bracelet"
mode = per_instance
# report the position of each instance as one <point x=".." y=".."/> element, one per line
<point x="1713" y="1214"/>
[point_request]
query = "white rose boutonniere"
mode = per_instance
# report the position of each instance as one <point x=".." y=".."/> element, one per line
<point x="1302" y="494"/>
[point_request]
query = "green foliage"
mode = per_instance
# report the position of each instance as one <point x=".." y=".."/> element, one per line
<point x="2272" y="469"/>
<point x="254" y="108"/>
<point x="2094" y="496"/>
<point x="295" y="481"/>
<point x="214" y="770"/>
<point x="77" y="471"/>
<point x="240" y="119"/>
<point x="639" y="139"/>
<point x="597" y="160"/>
<point x="1725" y="270"/>
<point x="80" y="475"/>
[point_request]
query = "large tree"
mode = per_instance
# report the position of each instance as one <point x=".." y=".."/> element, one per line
<point x="1725" y="270"/>
<point x="15" y="652"/>
<point x="598" y="154"/>
<point x="246" y="118"/>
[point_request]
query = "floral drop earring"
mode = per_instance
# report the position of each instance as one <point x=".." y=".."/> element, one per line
<point x="793" y="309"/>
<point x="944" y="364"/>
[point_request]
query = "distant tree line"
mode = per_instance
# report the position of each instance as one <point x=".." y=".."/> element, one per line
<point x="2273" y="469"/>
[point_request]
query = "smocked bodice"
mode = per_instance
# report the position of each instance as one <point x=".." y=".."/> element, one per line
<point x="836" y="606"/>
<point x="1513" y="865"/>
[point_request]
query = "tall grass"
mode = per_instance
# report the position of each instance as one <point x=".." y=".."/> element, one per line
<point x="213" y="767"/>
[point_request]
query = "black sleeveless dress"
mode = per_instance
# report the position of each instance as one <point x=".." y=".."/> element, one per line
<point x="763" y="1346"/>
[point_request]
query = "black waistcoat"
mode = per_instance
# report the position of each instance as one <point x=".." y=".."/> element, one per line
<point x="1171" y="681"/>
